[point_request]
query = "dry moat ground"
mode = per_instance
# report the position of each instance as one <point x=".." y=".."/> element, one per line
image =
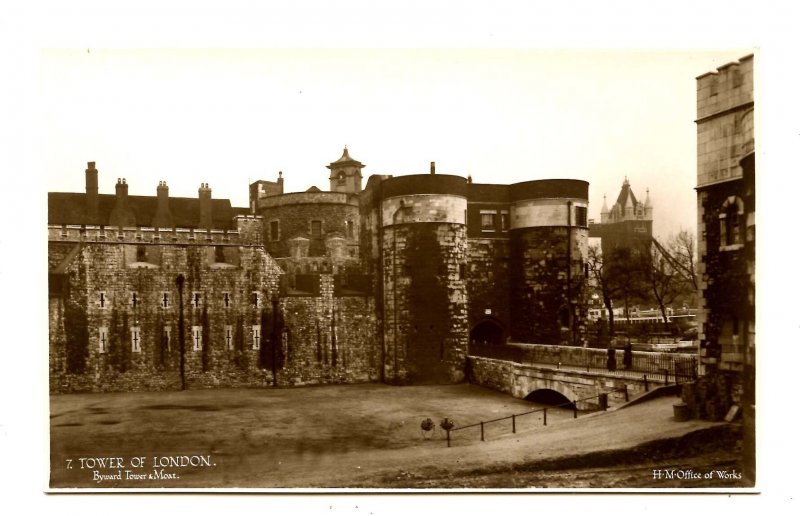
<point x="369" y="436"/>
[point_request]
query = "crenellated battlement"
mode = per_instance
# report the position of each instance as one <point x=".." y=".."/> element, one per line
<point x="730" y="86"/>
<point x="87" y="233"/>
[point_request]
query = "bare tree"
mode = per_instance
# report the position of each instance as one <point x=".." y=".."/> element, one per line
<point x="663" y="280"/>
<point x="683" y="248"/>
<point x="598" y="276"/>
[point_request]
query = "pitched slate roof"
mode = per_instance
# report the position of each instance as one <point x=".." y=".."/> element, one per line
<point x="70" y="208"/>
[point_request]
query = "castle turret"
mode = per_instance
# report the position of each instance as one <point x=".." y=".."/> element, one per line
<point x="92" y="196"/>
<point x="424" y="245"/>
<point x="346" y="174"/>
<point x="122" y="215"/>
<point x="648" y="207"/>
<point x="548" y="247"/>
<point x="204" y="194"/>
<point x="163" y="216"/>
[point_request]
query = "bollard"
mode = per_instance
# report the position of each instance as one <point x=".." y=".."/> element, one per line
<point x="448" y="437"/>
<point x="625" y="390"/>
<point x="602" y="400"/>
<point x="513" y="424"/>
<point x="574" y="409"/>
<point x="482" y="431"/>
<point x="646" y="388"/>
<point x="545" y="417"/>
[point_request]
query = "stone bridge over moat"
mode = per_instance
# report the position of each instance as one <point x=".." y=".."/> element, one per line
<point x="578" y="383"/>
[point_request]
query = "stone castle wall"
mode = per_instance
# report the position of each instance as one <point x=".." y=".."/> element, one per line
<point x="425" y="306"/>
<point x="103" y="340"/>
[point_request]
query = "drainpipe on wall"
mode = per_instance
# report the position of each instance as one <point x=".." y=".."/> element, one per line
<point x="379" y="205"/>
<point x="394" y="280"/>
<point x="181" y="346"/>
<point x="569" y="274"/>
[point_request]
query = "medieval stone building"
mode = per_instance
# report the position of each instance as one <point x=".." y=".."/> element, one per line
<point x="393" y="281"/>
<point x="726" y="248"/>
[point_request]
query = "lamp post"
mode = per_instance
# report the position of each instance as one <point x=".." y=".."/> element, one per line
<point x="181" y="347"/>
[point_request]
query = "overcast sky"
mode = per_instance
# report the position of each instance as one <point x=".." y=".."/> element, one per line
<point x="229" y="117"/>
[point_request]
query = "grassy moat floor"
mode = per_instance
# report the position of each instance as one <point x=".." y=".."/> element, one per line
<point x="369" y="436"/>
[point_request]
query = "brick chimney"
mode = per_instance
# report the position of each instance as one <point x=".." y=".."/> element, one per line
<point x="122" y="215"/>
<point x="433" y="167"/>
<point x="92" y="196"/>
<point x="204" y="193"/>
<point x="163" y="216"/>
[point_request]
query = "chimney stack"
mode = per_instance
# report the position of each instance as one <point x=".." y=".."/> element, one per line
<point x="92" y="193"/>
<point x="163" y="216"/>
<point x="121" y="215"/>
<point x="433" y="167"/>
<point x="204" y="193"/>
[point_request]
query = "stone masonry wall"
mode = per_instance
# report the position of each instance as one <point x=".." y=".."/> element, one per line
<point x="137" y="354"/>
<point x="330" y="339"/>
<point x="324" y="339"/>
<point x="539" y="289"/>
<point x="488" y="281"/>
<point x="425" y="303"/>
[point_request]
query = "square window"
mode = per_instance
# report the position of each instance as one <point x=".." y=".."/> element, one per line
<point x="503" y="221"/>
<point x="316" y="229"/>
<point x="580" y="216"/>
<point x="487" y="221"/>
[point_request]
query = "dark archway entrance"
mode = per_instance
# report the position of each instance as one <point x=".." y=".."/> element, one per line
<point x="488" y="331"/>
<point x="549" y="397"/>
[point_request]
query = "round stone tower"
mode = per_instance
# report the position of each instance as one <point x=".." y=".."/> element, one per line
<point x="424" y="239"/>
<point x="548" y="250"/>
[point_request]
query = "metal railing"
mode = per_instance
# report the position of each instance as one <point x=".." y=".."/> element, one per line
<point x="682" y="367"/>
<point x="602" y="401"/>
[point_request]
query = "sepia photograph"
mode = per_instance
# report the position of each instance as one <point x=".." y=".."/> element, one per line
<point x="370" y="258"/>
<point x="395" y="269"/>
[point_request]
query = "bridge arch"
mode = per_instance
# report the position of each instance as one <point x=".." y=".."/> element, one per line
<point x="527" y="387"/>
<point x="550" y="397"/>
<point x="489" y="331"/>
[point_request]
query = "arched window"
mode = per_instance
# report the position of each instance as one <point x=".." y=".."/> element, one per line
<point x="731" y="224"/>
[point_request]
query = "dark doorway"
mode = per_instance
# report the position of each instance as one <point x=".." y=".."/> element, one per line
<point x="489" y="332"/>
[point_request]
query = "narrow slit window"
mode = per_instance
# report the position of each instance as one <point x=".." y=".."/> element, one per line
<point x="103" y="340"/>
<point x="197" y="338"/>
<point x="136" y="339"/>
<point x="228" y="337"/>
